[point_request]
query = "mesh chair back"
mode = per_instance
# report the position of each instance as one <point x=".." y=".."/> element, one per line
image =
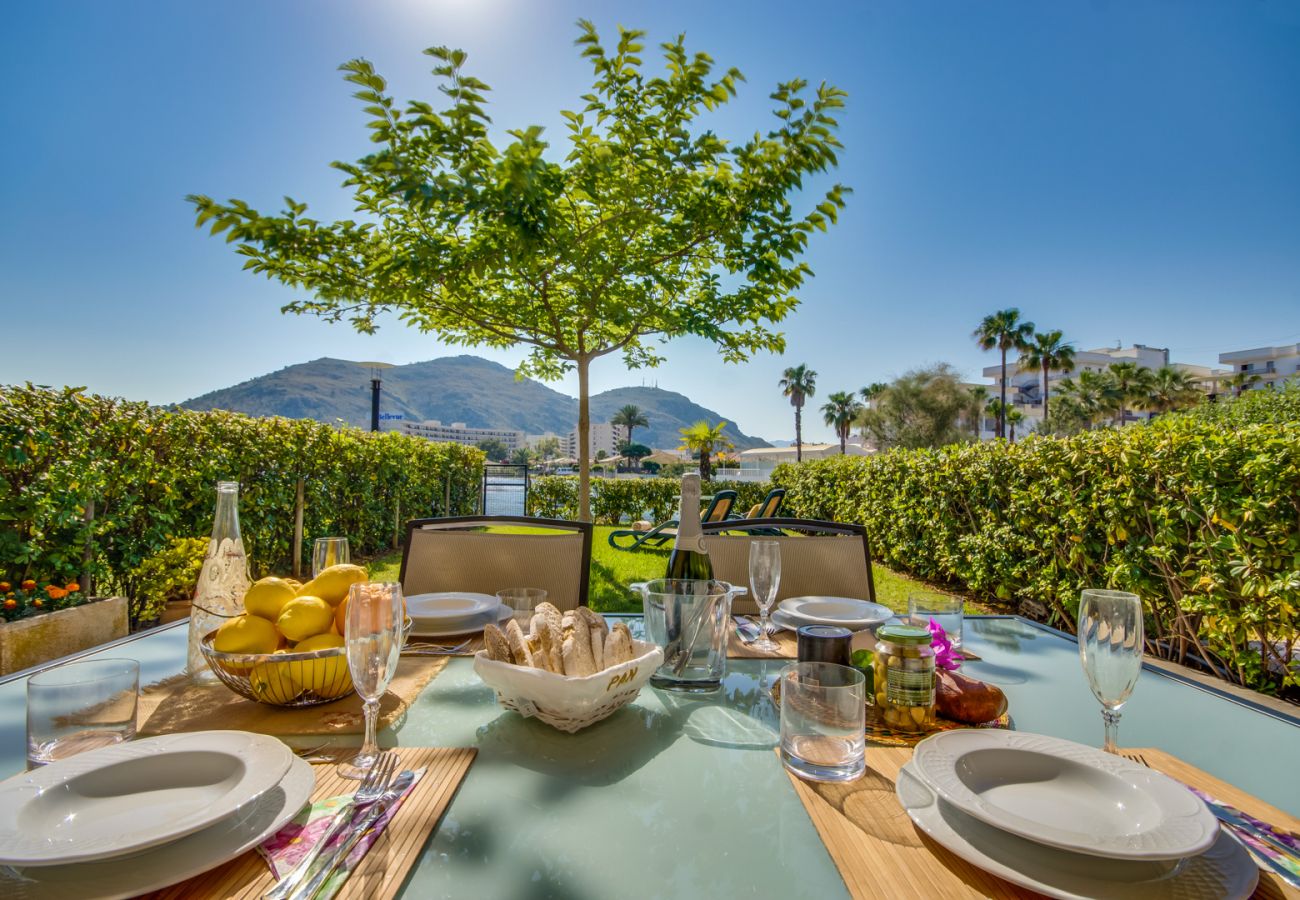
<point x="462" y="554"/>
<point x="817" y="558"/>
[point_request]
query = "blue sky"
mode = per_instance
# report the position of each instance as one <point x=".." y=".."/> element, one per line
<point x="1124" y="171"/>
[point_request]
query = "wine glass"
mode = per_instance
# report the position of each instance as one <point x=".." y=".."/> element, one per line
<point x="329" y="551"/>
<point x="764" y="576"/>
<point x="1110" y="647"/>
<point x="372" y="631"/>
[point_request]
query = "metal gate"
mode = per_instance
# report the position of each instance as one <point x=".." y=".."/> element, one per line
<point x="505" y="490"/>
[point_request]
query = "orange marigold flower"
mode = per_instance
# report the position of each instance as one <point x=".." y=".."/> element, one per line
<point x="28" y="585"/>
<point x="11" y="603"/>
<point x="38" y="602"/>
<point x="5" y="586"/>
<point x="55" y="593"/>
<point x="72" y="587"/>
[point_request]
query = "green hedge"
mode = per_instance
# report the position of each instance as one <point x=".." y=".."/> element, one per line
<point x="1203" y="522"/>
<point x="624" y="500"/>
<point x="152" y="474"/>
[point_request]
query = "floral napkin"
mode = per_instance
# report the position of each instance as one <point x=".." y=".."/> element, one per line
<point x="283" y="850"/>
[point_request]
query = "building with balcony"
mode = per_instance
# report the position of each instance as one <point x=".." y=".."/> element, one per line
<point x="1273" y="365"/>
<point x="602" y="436"/>
<point x="460" y="433"/>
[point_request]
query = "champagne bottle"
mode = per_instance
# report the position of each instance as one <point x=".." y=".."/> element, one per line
<point x="689" y="559"/>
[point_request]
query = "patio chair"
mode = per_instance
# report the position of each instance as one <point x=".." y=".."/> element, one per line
<point x="817" y="558"/>
<point x="476" y="553"/>
<point x="767" y="508"/>
<point x="716" y="511"/>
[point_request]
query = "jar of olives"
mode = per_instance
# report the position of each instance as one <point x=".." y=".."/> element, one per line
<point x="904" y="677"/>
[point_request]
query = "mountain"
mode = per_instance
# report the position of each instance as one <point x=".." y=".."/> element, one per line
<point x="468" y="389"/>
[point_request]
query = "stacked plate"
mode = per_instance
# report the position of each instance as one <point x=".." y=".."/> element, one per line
<point x="1068" y="820"/>
<point x="139" y="816"/>
<point x="855" y="615"/>
<point x="452" y="613"/>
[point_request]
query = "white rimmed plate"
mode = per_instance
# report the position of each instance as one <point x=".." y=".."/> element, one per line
<point x="1224" y="871"/>
<point x="426" y="629"/>
<point x="449" y="607"/>
<point x="162" y="866"/>
<point x="843" y="611"/>
<point x="129" y="797"/>
<point x="1065" y="795"/>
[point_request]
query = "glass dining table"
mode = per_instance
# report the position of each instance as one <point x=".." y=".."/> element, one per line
<point x="682" y="795"/>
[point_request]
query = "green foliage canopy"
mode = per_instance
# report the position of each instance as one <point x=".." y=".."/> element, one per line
<point x="650" y="225"/>
<point x="924" y="408"/>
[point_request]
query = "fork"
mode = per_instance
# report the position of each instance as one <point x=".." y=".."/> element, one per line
<point x="371" y="789"/>
<point x="426" y="649"/>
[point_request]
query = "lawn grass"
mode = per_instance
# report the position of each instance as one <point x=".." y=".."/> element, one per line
<point x="613" y="570"/>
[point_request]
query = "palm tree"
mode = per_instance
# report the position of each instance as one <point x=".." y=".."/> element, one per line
<point x="872" y="391"/>
<point x="1089" y="399"/>
<point x="1004" y="331"/>
<point x="839" y="412"/>
<point x="979" y="395"/>
<point x="1014" y="417"/>
<point x="798" y="383"/>
<point x="1048" y="352"/>
<point x="1239" y="381"/>
<point x="1132" y="385"/>
<point x="629" y="417"/>
<point x="1173" y="389"/>
<point x="703" y="438"/>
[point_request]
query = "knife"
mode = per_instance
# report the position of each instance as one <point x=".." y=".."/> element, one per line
<point x="746" y="630"/>
<point x="358" y="828"/>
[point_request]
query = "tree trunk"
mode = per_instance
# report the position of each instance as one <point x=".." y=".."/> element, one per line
<point x="1002" y="396"/>
<point x="844" y="439"/>
<point x="798" y="432"/>
<point x="1045" y="376"/>
<point x="706" y="466"/>
<point x="584" y="441"/>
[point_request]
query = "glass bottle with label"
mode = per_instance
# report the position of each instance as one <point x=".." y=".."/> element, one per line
<point x="904" y="678"/>
<point x="219" y="595"/>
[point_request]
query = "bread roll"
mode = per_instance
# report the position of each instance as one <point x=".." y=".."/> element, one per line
<point x="547" y="630"/>
<point x="576" y="661"/>
<point x="551" y="612"/>
<point x="618" y="649"/>
<point x="497" y="646"/>
<point x="598" y="649"/>
<point x="518" y="644"/>
<point x="540" y="659"/>
<point x="582" y="640"/>
<point x="594" y="619"/>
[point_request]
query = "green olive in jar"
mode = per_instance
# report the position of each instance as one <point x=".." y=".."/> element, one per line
<point x="905" y="678"/>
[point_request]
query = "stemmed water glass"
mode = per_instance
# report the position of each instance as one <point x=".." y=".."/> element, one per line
<point x="329" y="551"/>
<point x="764" y="577"/>
<point x="1110" y="647"/>
<point x="372" y="631"/>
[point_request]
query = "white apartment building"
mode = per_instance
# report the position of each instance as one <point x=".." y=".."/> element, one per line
<point x="460" y="433"/>
<point x="1273" y="365"/>
<point x="602" y="436"/>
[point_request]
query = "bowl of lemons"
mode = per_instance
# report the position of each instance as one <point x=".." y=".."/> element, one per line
<point x="287" y="647"/>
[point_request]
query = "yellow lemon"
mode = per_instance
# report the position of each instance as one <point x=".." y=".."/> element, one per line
<point x="328" y="677"/>
<point x="341" y="617"/>
<point x="332" y="584"/>
<point x="293" y="583"/>
<point x="246" y="634"/>
<point x="273" y="682"/>
<point x="268" y="596"/>
<point x="303" y="617"/>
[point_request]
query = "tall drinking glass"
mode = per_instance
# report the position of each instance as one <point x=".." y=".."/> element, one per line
<point x="947" y="610"/>
<point x="823" y="721"/>
<point x="372" y="631"/>
<point x="1110" y="647"/>
<point x="764" y="577"/>
<point x="329" y="551"/>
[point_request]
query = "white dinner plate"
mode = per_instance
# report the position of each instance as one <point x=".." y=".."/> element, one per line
<point x="449" y="607"/>
<point x="781" y="619"/>
<point x="1065" y="795"/>
<point x="163" y="866"/>
<point x="426" y="629"/>
<point x="843" y="611"/>
<point x="129" y="797"/>
<point x="1224" y="871"/>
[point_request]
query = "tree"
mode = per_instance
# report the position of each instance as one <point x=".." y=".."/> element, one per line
<point x="1014" y="417"/>
<point x="1173" y="389"/>
<point x="702" y="439"/>
<point x="548" y="448"/>
<point x="649" y="225"/>
<point x="798" y="383"/>
<point x="627" y="418"/>
<point x="924" y="408"/>
<point x="635" y="452"/>
<point x="1004" y="331"/>
<point x="872" y="391"/>
<point x="1083" y="402"/>
<point x="840" y="411"/>
<point x="523" y="457"/>
<point x="1240" y="381"/>
<point x="1048" y="352"/>
<point x="1132" y="385"/>
<point x="493" y="449"/>
<point x="979" y="399"/>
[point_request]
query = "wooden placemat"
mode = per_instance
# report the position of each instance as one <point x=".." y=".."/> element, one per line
<point x="179" y="705"/>
<point x="880" y="853"/>
<point x="385" y="866"/>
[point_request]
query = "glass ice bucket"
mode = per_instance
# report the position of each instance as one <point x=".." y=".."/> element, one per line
<point x="690" y="621"/>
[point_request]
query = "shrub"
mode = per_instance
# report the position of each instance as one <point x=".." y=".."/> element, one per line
<point x="623" y="500"/>
<point x="33" y="597"/>
<point x="98" y="485"/>
<point x="1254" y="407"/>
<point x="169" y="574"/>
<point x="1198" y="520"/>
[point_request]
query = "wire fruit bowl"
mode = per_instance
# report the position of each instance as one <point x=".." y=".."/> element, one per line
<point x="285" y="678"/>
